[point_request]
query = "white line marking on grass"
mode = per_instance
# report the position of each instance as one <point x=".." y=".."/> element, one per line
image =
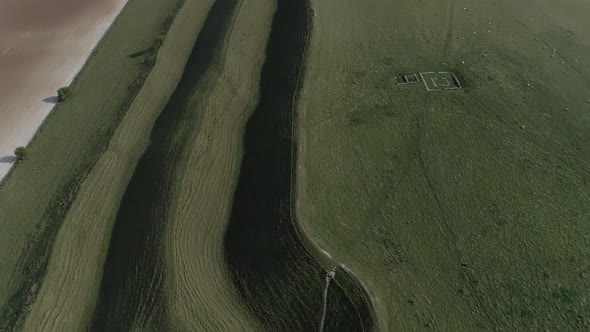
<point x="326" y="253"/>
<point x="329" y="276"/>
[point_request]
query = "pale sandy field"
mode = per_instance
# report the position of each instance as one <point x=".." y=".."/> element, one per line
<point x="43" y="45"/>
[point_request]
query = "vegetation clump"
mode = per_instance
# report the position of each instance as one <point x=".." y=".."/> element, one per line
<point x="20" y="153"/>
<point x="63" y="93"/>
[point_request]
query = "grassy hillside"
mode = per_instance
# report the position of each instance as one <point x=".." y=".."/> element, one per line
<point x="140" y="288"/>
<point x="36" y="195"/>
<point x="160" y="195"/>
<point x="463" y="209"/>
<point x="279" y="276"/>
<point x="177" y="271"/>
<point x="83" y="239"/>
<point x="146" y="230"/>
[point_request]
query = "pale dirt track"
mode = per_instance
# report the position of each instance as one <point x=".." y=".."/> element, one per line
<point x="68" y="294"/>
<point x="43" y="45"/>
<point x="201" y="296"/>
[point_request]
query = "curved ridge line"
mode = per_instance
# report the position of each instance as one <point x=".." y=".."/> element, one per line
<point x="299" y="226"/>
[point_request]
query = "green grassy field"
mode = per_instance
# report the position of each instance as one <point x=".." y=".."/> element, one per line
<point x="161" y="195"/>
<point x="35" y="197"/>
<point x="83" y="239"/>
<point x="460" y="210"/>
<point x="139" y="243"/>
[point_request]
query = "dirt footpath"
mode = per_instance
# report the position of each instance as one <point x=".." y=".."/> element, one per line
<point x="43" y="45"/>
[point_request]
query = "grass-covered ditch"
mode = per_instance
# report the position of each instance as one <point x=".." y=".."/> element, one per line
<point x="133" y="286"/>
<point x="280" y="280"/>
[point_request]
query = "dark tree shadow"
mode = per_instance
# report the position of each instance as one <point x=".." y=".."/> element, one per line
<point x="51" y="100"/>
<point x="144" y="52"/>
<point x="8" y="159"/>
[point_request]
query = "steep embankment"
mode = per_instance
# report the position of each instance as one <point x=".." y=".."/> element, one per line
<point x="37" y="194"/>
<point x="68" y="293"/>
<point x="280" y="281"/>
<point x="155" y="206"/>
<point x="133" y="289"/>
<point x="43" y="46"/>
<point x="205" y="298"/>
<point x="168" y="275"/>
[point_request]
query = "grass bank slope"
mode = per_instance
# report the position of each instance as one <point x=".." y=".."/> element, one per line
<point x="44" y="46"/>
<point x="171" y="278"/>
<point x="35" y="197"/>
<point x="278" y="278"/>
<point x="204" y="297"/>
<point x="460" y="210"/>
<point x="82" y="241"/>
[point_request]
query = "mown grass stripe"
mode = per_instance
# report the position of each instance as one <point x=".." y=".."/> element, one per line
<point x="34" y="258"/>
<point x="133" y="287"/>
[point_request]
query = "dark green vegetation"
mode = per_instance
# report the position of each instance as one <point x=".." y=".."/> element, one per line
<point x="461" y="210"/>
<point x="123" y="249"/>
<point x="444" y="210"/>
<point x="20" y="153"/>
<point x="67" y="145"/>
<point x="280" y="281"/>
<point x="64" y="93"/>
<point x="133" y="288"/>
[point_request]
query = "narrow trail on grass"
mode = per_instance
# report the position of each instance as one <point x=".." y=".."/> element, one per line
<point x="279" y="279"/>
<point x="133" y="287"/>
<point x="490" y="320"/>
<point x="449" y="31"/>
<point x="329" y="276"/>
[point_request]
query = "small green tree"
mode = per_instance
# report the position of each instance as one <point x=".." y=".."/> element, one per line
<point x="63" y="93"/>
<point x="20" y="153"/>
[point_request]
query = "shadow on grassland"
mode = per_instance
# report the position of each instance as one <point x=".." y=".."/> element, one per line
<point x="35" y="256"/>
<point x="132" y="293"/>
<point x="280" y="282"/>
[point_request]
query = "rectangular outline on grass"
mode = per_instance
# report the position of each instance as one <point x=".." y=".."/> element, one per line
<point x="455" y="80"/>
<point x="412" y="78"/>
<point x="406" y="79"/>
<point x="440" y="86"/>
<point x="422" y="74"/>
<point x="425" y="76"/>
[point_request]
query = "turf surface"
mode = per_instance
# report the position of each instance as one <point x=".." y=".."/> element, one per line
<point x="280" y="280"/>
<point x="133" y="288"/>
<point x="173" y="205"/>
<point x="37" y="194"/>
<point x="460" y="210"/>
